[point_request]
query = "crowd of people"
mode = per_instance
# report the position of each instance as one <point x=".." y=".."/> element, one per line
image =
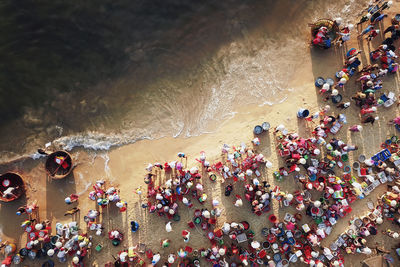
<point x="319" y="165"/>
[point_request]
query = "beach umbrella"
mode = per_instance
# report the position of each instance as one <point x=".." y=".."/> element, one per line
<point x="182" y="253"/>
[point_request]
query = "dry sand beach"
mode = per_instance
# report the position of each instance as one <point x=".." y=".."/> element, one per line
<point x="124" y="166"/>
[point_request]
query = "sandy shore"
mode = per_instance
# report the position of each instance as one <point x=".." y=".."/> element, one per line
<point x="124" y="167"/>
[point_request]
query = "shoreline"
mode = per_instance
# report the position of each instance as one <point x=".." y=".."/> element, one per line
<point x="124" y="166"/>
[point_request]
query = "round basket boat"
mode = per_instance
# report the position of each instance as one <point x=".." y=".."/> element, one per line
<point x="58" y="164"/>
<point x="14" y="180"/>
<point x="332" y="27"/>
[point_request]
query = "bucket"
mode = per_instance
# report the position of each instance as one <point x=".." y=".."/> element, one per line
<point x="265" y="231"/>
<point x="265" y="126"/>
<point x="258" y="130"/>
<point x="298" y="234"/>
<point x="266" y="245"/>
<point x="273" y="218"/>
<point x="285" y="263"/>
<point x="330" y="81"/>
<point x="293" y="258"/>
<point x="277" y="257"/>
<point x="347" y="169"/>
<point x="213" y="177"/>
<point x="333" y="246"/>
<point x="361" y="158"/>
<point x="303" y="113"/>
<point x="356" y="165"/>
<point x="319" y="82"/>
<point x="337" y="98"/>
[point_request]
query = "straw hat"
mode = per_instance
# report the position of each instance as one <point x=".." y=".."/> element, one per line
<point x="389" y="3"/>
<point x="338" y="21"/>
<point x="350" y="26"/>
<point x="370" y="83"/>
<point x="194" y="170"/>
<point x="221" y="251"/>
<point x="289" y="197"/>
<point x="76" y="259"/>
<point x="39" y="226"/>
<point x="50" y="252"/>
<point x="326" y="86"/>
<point x="317" y="151"/>
<point x="379" y="220"/>
<point x="255" y="244"/>
<point x="396" y="235"/>
<point x="206" y="214"/>
<point x="336" y="263"/>
<point x="302" y="161"/>
<point x="317" y="203"/>
<point x="359" y="127"/>
<point x="58" y="244"/>
<point x="249" y="172"/>
<point x="336" y="92"/>
<point x="368" y="15"/>
<point x="393" y="203"/>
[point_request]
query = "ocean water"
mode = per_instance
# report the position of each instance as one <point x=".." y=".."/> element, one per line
<point x="104" y="73"/>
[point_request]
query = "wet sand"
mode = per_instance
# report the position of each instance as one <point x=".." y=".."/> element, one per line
<point x="124" y="167"/>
